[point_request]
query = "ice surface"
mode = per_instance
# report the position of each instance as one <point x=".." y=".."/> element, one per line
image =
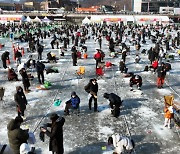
<point x="87" y="132"/>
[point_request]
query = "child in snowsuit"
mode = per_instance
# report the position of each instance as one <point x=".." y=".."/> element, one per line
<point x="72" y="103"/>
<point x="168" y="110"/>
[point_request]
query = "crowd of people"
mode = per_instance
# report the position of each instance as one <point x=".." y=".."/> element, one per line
<point x="164" y="39"/>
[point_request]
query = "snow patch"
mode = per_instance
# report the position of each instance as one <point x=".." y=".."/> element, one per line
<point x="163" y="132"/>
<point x="146" y="112"/>
<point x="75" y="82"/>
<point x="106" y="131"/>
<point x="101" y="81"/>
<point x="164" y="91"/>
<point x="126" y="80"/>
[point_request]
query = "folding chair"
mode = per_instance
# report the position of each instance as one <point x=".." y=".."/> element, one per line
<point x="81" y="71"/>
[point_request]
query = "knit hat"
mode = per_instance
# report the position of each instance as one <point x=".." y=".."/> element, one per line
<point x="73" y="93"/>
<point x="54" y="116"/>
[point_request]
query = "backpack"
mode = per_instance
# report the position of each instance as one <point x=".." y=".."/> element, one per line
<point x="87" y="88"/>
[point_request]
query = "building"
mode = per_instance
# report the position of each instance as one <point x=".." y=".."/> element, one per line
<point x="50" y="4"/>
<point x="152" y="5"/>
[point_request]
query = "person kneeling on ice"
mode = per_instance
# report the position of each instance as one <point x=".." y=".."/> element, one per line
<point x="73" y="103"/>
<point x="136" y="80"/>
<point x="169" y="114"/>
<point x="121" y="144"/>
<point x="114" y="102"/>
<point x="12" y="74"/>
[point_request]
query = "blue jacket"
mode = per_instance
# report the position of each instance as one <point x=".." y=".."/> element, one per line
<point x="75" y="101"/>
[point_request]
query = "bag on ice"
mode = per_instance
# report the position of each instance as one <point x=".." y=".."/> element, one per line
<point x="57" y="102"/>
<point x="48" y="83"/>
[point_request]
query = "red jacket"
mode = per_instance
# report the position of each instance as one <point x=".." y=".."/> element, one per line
<point x="97" y="55"/>
<point x="155" y="64"/>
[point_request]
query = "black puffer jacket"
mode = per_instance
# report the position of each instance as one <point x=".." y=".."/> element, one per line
<point x="113" y="99"/>
<point x="5" y="56"/>
<point x="20" y="99"/>
<point x="56" y="136"/>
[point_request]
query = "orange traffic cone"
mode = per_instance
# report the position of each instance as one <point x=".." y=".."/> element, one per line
<point x="22" y="51"/>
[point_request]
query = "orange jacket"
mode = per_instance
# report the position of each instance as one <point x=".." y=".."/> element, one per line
<point x="168" y="114"/>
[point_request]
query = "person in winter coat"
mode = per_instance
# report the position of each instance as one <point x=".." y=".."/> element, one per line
<point x="168" y="114"/>
<point x="4" y="57"/>
<point x="72" y="103"/>
<point x="122" y="67"/>
<point x="135" y="80"/>
<point x="52" y="43"/>
<point x="56" y="134"/>
<point x="20" y="100"/>
<point x="16" y="135"/>
<point x="40" y="71"/>
<point x="39" y="50"/>
<point x="151" y="54"/>
<point x="161" y="72"/>
<point x="12" y="74"/>
<point x="124" y="55"/>
<point x="74" y="55"/>
<point x="18" y="57"/>
<point x="50" y="57"/>
<point x="99" y="41"/>
<point x="92" y="89"/>
<point x="114" y="102"/>
<point x="25" y="79"/>
<point x="121" y="144"/>
<point x="97" y="57"/>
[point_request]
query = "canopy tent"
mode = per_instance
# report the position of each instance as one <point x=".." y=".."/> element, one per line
<point x="12" y="18"/>
<point x="151" y="19"/>
<point x="111" y="18"/>
<point x="86" y="21"/>
<point x="46" y="20"/>
<point x="36" y="19"/>
<point x="95" y="19"/>
<point x="28" y="19"/>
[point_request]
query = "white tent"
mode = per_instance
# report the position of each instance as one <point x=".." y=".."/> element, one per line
<point x="46" y="20"/>
<point x="86" y="21"/>
<point x="36" y="19"/>
<point x="28" y="19"/>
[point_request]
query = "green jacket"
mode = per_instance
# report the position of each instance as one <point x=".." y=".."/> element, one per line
<point x="16" y="136"/>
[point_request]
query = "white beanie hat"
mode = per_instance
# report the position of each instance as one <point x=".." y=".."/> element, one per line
<point x="24" y="148"/>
